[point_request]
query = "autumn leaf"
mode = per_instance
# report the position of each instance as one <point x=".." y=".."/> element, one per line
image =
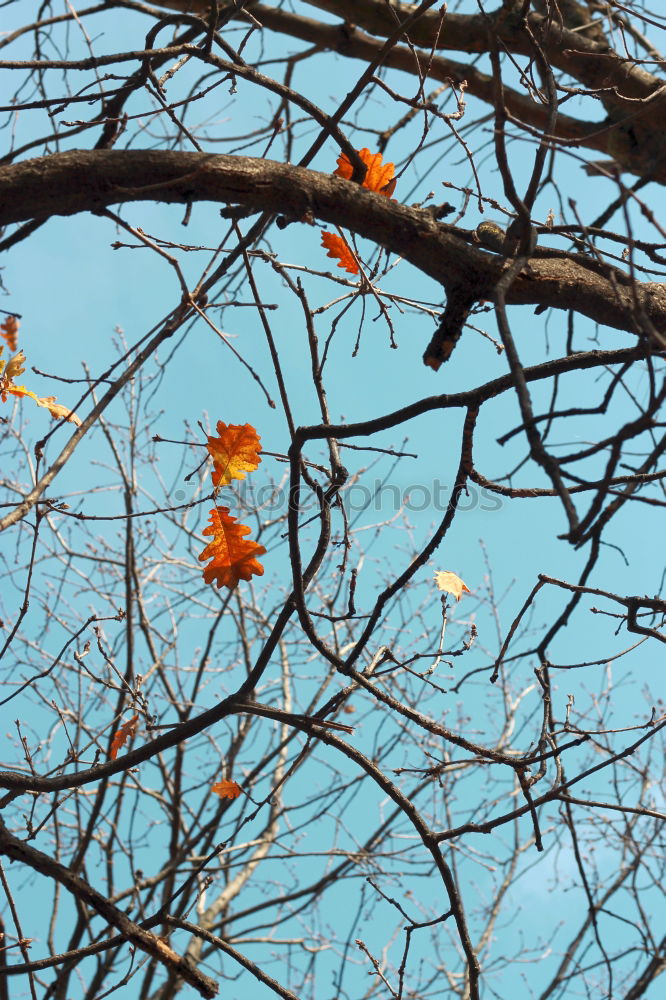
<point x="120" y="738"/>
<point x="451" y="583"/>
<point x="57" y="410"/>
<point x="9" y="370"/>
<point x="379" y="176"/>
<point x="15" y="366"/>
<point x="233" y="556"/>
<point x="234" y="452"/>
<point x="9" y="332"/>
<point x="226" y="789"/>
<point x="338" y="248"/>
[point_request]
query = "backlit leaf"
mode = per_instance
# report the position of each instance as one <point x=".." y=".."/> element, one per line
<point x="234" y="452"/>
<point x="379" y="176"/>
<point x="338" y="248"/>
<point x="9" y="370"/>
<point x="451" y="583"/>
<point x="9" y="332"/>
<point x="15" y="366"/>
<point x="57" y="410"/>
<point x="125" y="733"/>
<point x="226" y="789"/>
<point x="233" y="556"/>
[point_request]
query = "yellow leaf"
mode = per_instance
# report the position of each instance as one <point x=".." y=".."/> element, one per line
<point x="15" y="365"/>
<point x="57" y="410"/>
<point x="234" y="452"/>
<point x="451" y="583"/>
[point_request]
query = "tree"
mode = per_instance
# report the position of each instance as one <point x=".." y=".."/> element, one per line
<point x="334" y="779"/>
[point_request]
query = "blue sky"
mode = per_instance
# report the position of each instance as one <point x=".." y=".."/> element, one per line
<point x="74" y="292"/>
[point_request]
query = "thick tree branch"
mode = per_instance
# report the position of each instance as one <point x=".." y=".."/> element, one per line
<point x="352" y="43"/>
<point x="632" y="133"/>
<point x="654" y="968"/>
<point x="80" y="181"/>
<point x="570" y="51"/>
<point x="635" y="137"/>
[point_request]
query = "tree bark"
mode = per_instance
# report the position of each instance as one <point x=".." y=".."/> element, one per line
<point x="88" y="181"/>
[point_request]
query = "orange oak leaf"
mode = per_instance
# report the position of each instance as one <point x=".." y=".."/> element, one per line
<point x="451" y="583"/>
<point x="226" y="789"/>
<point x="234" y="452"/>
<point x="338" y="248"/>
<point x="9" y="332"/>
<point x="120" y="738"/>
<point x="379" y="176"/>
<point x="233" y="556"/>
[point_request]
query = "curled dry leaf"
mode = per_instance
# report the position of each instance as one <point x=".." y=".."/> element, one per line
<point x="9" y="332"/>
<point x="120" y="738"/>
<point x="57" y="410"/>
<point x="379" y="176"/>
<point x="451" y="583"/>
<point x="233" y="556"/>
<point x="226" y="789"/>
<point x="234" y="452"/>
<point x="338" y="248"/>
<point x="16" y="366"/>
